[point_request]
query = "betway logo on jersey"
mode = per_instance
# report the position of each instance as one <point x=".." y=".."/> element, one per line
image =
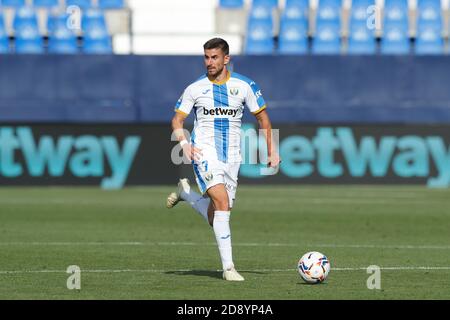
<point x="220" y="112"/>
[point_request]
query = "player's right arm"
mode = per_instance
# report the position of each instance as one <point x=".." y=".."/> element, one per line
<point x="182" y="109"/>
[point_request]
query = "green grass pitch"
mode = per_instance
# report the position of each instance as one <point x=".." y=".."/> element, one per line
<point x="129" y="246"/>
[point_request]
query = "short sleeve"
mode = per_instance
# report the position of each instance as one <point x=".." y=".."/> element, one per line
<point x="185" y="103"/>
<point x="254" y="99"/>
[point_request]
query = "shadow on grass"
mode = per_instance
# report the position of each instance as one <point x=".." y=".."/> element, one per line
<point x="207" y="273"/>
<point x="312" y="284"/>
<point x="200" y="273"/>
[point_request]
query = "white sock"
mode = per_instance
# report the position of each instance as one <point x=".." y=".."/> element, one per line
<point x="199" y="203"/>
<point x="222" y="231"/>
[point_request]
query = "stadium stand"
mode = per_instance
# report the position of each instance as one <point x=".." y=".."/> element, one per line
<point x="250" y="26"/>
<point x="327" y="37"/>
<point x="235" y="4"/>
<point x="395" y="28"/>
<point x="4" y="40"/>
<point x="429" y="38"/>
<point x="260" y="31"/>
<point x="361" y="34"/>
<point x="61" y="38"/>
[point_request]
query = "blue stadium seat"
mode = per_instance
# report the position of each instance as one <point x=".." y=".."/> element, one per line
<point x="4" y="44"/>
<point x="62" y="46"/>
<point x="293" y="37"/>
<point x="395" y="39"/>
<point x="13" y="3"/>
<point x="97" y="45"/>
<point x="54" y="21"/>
<point x="259" y="12"/>
<point x="96" y="38"/>
<point x="358" y="11"/>
<point x="93" y="19"/>
<point x="296" y="9"/>
<point x="361" y="39"/>
<point x="429" y="38"/>
<point x="259" y="37"/>
<point x="327" y="37"/>
<point x="83" y="4"/>
<point x="429" y="9"/>
<point x="111" y="4"/>
<point x="395" y="28"/>
<point x="266" y="3"/>
<point x="45" y="3"/>
<point x="28" y="40"/>
<point x="4" y="40"/>
<point x="61" y="38"/>
<point x="396" y="10"/>
<point x="25" y="18"/>
<point x="232" y="4"/>
<point x="329" y="10"/>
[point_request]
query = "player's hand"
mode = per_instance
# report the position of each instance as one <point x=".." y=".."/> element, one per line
<point x="192" y="152"/>
<point x="274" y="160"/>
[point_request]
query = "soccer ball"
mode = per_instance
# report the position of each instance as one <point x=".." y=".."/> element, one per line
<point x="314" y="267"/>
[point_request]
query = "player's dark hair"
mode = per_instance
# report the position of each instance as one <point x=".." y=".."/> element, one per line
<point x="215" y="43"/>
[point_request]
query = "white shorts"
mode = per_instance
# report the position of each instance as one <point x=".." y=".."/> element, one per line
<point x="209" y="173"/>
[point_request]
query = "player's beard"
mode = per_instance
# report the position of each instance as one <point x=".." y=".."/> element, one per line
<point x="216" y="74"/>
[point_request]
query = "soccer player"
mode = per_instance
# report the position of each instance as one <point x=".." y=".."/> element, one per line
<point x="217" y="99"/>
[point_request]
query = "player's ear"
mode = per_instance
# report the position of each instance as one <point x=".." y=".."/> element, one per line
<point x="226" y="59"/>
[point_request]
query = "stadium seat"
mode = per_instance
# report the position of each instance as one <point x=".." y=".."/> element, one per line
<point x="4" y="44"/>
<point x="396" y="11"/>
<point x="46" y="3"/>
<point x="296" y="9"/>
<point x="361" y="39"/>
<point x="231" y="4"/>
<point x="395" y="39"/>
<point x="93" y="19"/>
<point x="4" y="40"/>
<point x="293" y="37"/>
<point x="97" y="45"/>
<point x="83" y="4"/>
<point x="13" y="3"/>
<point x="96" y="38"/>
<point x="265" y="3"/>
<point x="429" y="9"/>
<point x="25" y="18"/>
<point x="62" y="46"/>
<point x="329" y="10"/>
<point x="61" y="38"/>
<point x="327" y="37"/>
<point x="259" y="12"/>
<point x="111" y="4"/>
<point x="429" y="38"/>
<point x="28" y="40"/>
<point x="358" y="10"/>
<point x="259" y="37"/>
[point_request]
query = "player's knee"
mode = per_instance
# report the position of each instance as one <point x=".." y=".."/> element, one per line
<point x="222" y="205"/>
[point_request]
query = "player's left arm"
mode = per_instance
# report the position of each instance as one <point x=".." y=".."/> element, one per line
<point x="265" y="124"/>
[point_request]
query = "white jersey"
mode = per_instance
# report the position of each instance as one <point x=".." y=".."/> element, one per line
<point x="218" y="109"/>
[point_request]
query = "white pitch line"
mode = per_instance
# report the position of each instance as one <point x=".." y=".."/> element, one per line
<point x="242" y="244"/>
<point x="413" y="268"/>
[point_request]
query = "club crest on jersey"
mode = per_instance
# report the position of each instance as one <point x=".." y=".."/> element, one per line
<point x="234" y="91"/>
<point x="209" y="177"/>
